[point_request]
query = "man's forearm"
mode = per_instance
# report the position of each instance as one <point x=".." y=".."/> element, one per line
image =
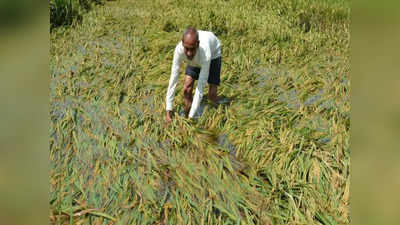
<point x="171" y="91"/>
<point x="173" y="80"/>
<point x="198" y="95"/>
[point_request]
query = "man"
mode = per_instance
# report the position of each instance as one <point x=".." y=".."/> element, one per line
<point x="201" y="50"/>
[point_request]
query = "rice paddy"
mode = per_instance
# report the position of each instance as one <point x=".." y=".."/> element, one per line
<point x="274" y="151"/>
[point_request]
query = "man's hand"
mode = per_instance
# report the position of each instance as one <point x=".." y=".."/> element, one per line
<point x="168" y="117"/>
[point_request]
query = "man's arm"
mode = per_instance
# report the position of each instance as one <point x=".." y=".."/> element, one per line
<point x="203" y="77"/>
<point x="173" y="80"/>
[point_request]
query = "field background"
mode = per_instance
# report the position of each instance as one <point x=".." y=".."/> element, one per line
<point x="277" y="154"/>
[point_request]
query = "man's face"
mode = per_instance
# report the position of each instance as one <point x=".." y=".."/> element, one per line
<point x="190" y="47"/>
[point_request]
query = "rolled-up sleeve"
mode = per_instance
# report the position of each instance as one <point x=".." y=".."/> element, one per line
<point x="173" y="80"/>
<point x="203" y="77"/>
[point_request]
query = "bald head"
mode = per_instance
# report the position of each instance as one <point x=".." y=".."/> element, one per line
<point x="190" y="35"/>
<point x="190" y="42"/>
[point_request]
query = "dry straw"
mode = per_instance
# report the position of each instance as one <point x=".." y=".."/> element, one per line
<point x="278" y="153"/>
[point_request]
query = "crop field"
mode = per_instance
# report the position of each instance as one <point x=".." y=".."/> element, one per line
<point x="277" y="152"/>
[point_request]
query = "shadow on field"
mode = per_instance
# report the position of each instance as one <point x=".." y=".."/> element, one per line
<point x="221" y="100"/>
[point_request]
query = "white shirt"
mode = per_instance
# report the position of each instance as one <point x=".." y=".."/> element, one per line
<point x="209" y="48"/>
